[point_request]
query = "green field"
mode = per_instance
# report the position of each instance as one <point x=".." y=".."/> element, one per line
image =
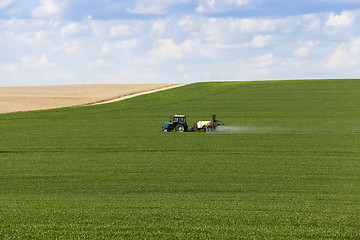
<point x="288" y="169"/>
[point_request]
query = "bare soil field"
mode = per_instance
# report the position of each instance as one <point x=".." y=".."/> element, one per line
<point x="18" y="99"/>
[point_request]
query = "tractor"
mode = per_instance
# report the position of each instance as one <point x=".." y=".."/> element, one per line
<point x="178" y="124"/>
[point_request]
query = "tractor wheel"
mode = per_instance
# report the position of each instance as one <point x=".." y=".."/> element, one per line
<point x="209" y="129"/>
<point x="180" y="128"/>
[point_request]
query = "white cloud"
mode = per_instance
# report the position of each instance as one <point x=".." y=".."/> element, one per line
<point x="187" y="22"/>
<point x="338" y="58"/>
<point x="67" y="76"/>
<point x="127" y="44"/>
<point x="5" y="3"/>
<point x="74" y="29"/>
<point x="235" y="31"/>
<point x="72" y="46"/>
<point x="99" y="29"/>
<point x="106" y="48"/>
<point x="147" y="9"/>
<point x="313" y="25"/>
<point x="167" y="48"/>
<point x="213" y="6"/>
<point x="110" y="47"/>
<point x="31" y="38"/>
<point x="347" y="55"/>
<point x="206" y="5"/>
<point x="311" y="22"/>
<point x="48" y="8"/>
<point x="265" y="61"/>
<point x="33" y="62"/>
<point x="304" y="50"/>
<point x="345" y="19"/>
<point x="11" y="67"/>
<point x="159" y="26"/>
<point x="237" y="2"/>
<point x="258" y="41"/>
<point x="122" y="30"/>
<point x="96" y="63"/>
<point x="188" y="50"/>
<point x="255" y="25"/>
<point x="157" y="7"/>
<point x="28" y="26"/>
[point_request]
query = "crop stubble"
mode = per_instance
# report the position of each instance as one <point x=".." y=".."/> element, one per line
<point x="18" y="99"/>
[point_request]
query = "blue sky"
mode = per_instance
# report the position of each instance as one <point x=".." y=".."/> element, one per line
<point x="50" y="42"/>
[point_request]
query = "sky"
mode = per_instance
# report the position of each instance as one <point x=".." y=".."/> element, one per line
<point x="57" y="42"/>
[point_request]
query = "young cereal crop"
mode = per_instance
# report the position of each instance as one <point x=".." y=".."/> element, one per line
<point x="287" y="169"/>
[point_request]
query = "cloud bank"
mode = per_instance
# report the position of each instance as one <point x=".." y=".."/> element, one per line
<point x="49" y="42"/>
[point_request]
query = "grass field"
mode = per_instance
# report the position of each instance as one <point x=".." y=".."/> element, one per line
<point x="290" y="169"/>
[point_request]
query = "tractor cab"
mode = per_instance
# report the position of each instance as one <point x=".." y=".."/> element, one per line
<point x="179" y="119"/>
<point x="178" y="124"/>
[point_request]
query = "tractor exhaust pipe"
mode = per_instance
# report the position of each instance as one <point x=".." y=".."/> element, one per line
<point x="213" y="120"/>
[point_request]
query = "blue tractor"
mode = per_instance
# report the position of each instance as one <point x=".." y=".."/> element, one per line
<point x="178" y="124"/>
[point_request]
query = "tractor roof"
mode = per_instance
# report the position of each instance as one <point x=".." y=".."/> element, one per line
<point x="179" y="115"/>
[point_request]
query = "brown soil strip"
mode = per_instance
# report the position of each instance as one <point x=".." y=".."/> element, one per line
<point x="19" y="99"/>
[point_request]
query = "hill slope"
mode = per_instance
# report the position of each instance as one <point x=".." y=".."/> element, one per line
<point x="288" y="169"/>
